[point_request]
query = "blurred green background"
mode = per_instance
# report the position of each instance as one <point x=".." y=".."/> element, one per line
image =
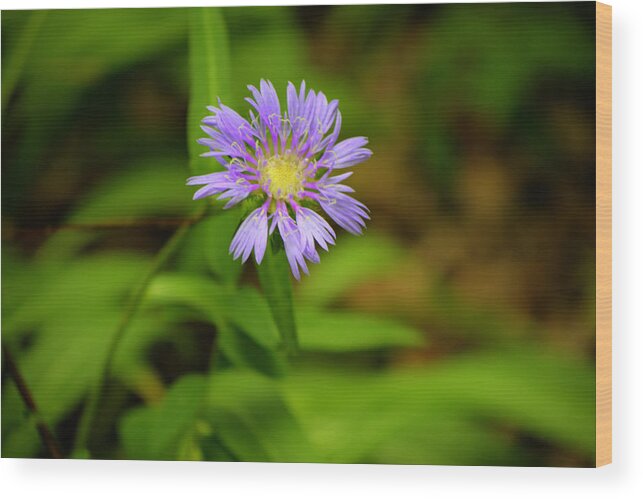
<point x="458" y="330"/>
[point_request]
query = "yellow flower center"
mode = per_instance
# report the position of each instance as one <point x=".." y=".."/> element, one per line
<point x="284" y="176"/>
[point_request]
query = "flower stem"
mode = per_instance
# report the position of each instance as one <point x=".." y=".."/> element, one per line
<point x="274" y="276"/>
<point x="43" y="429"/>
<point x="136" y="298"/>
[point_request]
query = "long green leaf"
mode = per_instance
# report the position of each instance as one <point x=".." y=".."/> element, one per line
<point x="209" y="75"/>
<point x="348" y="332"/>
<point x="209" y="82"/>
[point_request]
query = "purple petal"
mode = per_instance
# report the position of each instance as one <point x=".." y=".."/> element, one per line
<point x="310" y="253"/>
<point x="347" y="212"/>
<point x="295" y="101"/>
<point x="267" y="105"/>
<point x="309" y="128"/>
<point x="210" y="178"/>
<point x="348" y="152"/>
<point x="313" y="227"/>
<point x="252" y="234"/>
<point x="292" y="242"/>
<point x="330" y="140"/>
<point x="337" y="178"/>
<point x="228" y="184"/>
<point x="310" y="117"/>
<point x="229" y="131"/>
<point x="237" y="193"/>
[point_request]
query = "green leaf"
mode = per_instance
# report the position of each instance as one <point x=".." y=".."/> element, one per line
<point x="250" y="416"/>
<point x="345" y="332"/>
<point x="164" y="431"/>
<point x="18" y="277"/>
<point x="235" y="415"/>
<point x="353" y="262"/>
<point x="274" y="275"/>
<point x="69" y="317"/>
<point x="243" y="307"/>
<point x="220" y="231"/>
<point x="150" y="188"/>
<point x="254" y="339"/>
<point x="209" y="81"/>
<point x="201" y="294"/>
<point x="209" y="76"/>
<point x="242" y="350"/>
<point x="551" y="395"/>
<point x="247" y="334"/>
<point x="248" y="309"/>
<point x="461" y="411"/>
<point x="208" y="247"/>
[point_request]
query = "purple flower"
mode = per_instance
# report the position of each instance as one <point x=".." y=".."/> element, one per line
<point x="284" y="161"/>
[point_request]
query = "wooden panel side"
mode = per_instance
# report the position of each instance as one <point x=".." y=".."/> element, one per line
<point x="603" y="234"/>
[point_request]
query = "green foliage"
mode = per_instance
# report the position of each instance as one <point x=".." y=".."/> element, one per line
<point x="146" y="189"/>
<point x="411" y="416"/>
<point x="389" y="412"/>
<point x="345" y="332"/>
<point x="251" y="417"/>
<point x="491" y="57"/>
<point x="164" y="431"/>
<point x="449" y="414"/>
<point x="208" y="247"/>
<point x="265" y="44"/>
<point x="20" y="53"/>
<point x="274" y="275"/>
<point x="82" y="48"/>
<point x="352" y="262"/>
<point x="209" y="75"/>
<point x="201" y="371"/>
<point x="73" y="310"/>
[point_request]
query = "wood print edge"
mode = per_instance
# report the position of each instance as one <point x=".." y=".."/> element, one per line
<point x="603" y="234"/>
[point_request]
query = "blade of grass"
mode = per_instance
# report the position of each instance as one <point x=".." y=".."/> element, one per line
<point x="209" y="75"/>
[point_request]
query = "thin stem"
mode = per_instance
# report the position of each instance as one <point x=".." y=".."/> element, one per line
<point x="274" y="276"/>
<point x="20" y="54"/>
<point x="43" y="429"/>
<point x="131" y="308"/>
